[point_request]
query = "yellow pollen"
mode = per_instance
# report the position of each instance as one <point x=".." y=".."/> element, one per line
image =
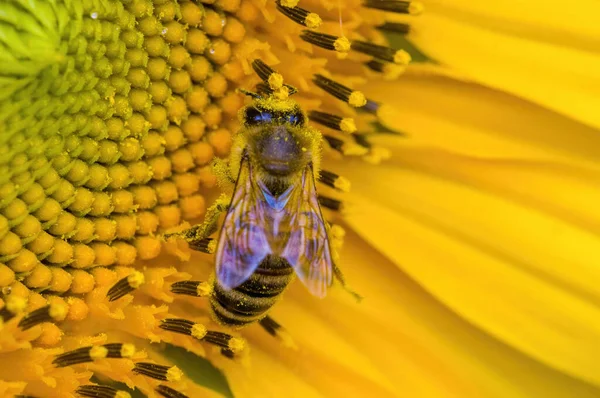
<point x="343" y="184"/>
<point x="289" y="3"/>
<point x="204" y="288"/>
<point x="393" y="71"/>
<point x="347" y="125"/>
<point x="136" y="279"/>
<point x="127" y="350"/>
<point x="275" y="81"/>
<point x="15" y="304"/>
<point x="337" y="232"/>
<point x="415" y="8"/>
<point x="357" y="99"/>
<point x="313" y="21"/>
<point x="98" y="352"/>
<point x="342" y="44"/>
<point x="282" y="93"/>
<point x="402" y="57"/>
<point x="199" y="331"/>
<point x="58" y="312"/>
<point x="237" y="344"/>
<point x="174" y="374"/>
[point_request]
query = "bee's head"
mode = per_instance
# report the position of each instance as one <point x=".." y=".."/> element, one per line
<point x="277" y="135"/>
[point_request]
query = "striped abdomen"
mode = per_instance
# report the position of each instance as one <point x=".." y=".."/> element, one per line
<point x="250" y="301"/>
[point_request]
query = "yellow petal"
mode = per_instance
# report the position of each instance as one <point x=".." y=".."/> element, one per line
<point x="405" y="334"/>
<point x="536" y="273"/>
<point x="474" y="120"/>
<point x="532" y="53"/>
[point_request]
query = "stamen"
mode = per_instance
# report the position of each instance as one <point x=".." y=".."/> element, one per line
<point x="158" y="372"/>
<point x="97" y="391"/>
<point x="13" y="305"/>
<point x="395" y="27"/>
<point x="334" y="181"/>
<point x="400" y="57"/>
<point x="397" y="6"/>
<point x="206" y="245"/>
<point x="49" y="313"/>
<point x="353" y="98"/>
<point x="226" y="341"/>
<point x="267" y="74"/>
<point x="344" y="147"/>
<point x="330" y="203"/>
<point x="389" y="71"/>
<point x="300" y="16"/>
<point x="198" y="331"/>
<point x="192" y="288"/>
<point x="168" y="392"/>
<point x="89" y="353"/>
<point x="125" y="286"/>
<point x="80" y="355"/>
<point x="328" y="42"/>
<point x="345" y="124"/>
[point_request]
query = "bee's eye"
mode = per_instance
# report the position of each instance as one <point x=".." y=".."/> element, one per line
<point x="296" y="118"/>
<point x="255" y="117"/>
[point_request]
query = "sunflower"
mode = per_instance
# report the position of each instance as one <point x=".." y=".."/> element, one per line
<point x="471" y="226"/>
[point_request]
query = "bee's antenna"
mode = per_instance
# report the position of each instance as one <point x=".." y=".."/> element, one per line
<point x="272" y="81"/>
<point x="250" y="93"/>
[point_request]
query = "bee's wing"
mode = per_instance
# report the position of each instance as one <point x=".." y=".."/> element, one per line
<point x="242" y="243"/>
<point x="307" y="248"/>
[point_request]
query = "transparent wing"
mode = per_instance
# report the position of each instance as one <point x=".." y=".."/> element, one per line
<point x="307" y="248"/>
<point x="242" y="243"/>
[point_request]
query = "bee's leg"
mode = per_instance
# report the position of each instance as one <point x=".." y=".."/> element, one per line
<point x="198" y="235"/>
<point x="277" y="331"/>
<point x="336" y="234"/>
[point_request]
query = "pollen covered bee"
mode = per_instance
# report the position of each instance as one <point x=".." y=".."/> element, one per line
<point x="273" y="228"/>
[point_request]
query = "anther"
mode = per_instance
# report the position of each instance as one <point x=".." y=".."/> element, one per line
<point x="345" y="147"/>
<point x="192" y="288"/>
<point x="206" y="245"/>
<point x="345" y="124"/>
<point x="125" y="285"/>
<point x="267" y="74"/>
<point x="353" y="98"/>
<point x="80" y="355"/>
<point x="300" y="16"/>
<point x="328" y="42"/>
<point x="330" y="203"/>
<point x="13" y="305"/>
<point x="395" y="27"/>
<point x="384" y="53"/>
<point x="89" y="353"/>
<point x="158" y="372"/>
<point x="198" y="331"/>
<point x="397" y="6"/>
<point x="49" y="313"/>
<point x="334" y="181"/>
<point x="390" y="71"/>
<point x="97" y="391"/>
<point x="225" y="341"/>
<point x="169" y="392"/>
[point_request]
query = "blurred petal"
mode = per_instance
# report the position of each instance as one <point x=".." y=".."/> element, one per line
<point x="544" y="52"/>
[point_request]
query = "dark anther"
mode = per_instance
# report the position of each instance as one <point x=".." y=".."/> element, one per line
<point x="168" y="392"/>
<point x="397" y="6"/>
<point x="203" y="245"/>
<point x="181" y="326"/>
<point x="158" y="372"/>
<point x="395" y="27"/>
<point x="189" y="288"/>
<point x="300" y="15"/>
<point x="330" y="203"/>
<point x="322" y="40"/>
<point x="334" y="143"/>
<point x="36" y="317"/>
<point x="270" y="325"/>
<point x="125" y="285"/>
<point x="97" y="391"/>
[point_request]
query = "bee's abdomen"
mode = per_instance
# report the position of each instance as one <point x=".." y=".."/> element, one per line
<point x="250" y="301"/>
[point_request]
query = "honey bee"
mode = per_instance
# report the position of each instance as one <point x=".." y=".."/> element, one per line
<point x="273" y="228"/>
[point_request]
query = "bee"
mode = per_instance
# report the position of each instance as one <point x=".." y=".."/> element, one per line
<point x="273" y="229"/>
